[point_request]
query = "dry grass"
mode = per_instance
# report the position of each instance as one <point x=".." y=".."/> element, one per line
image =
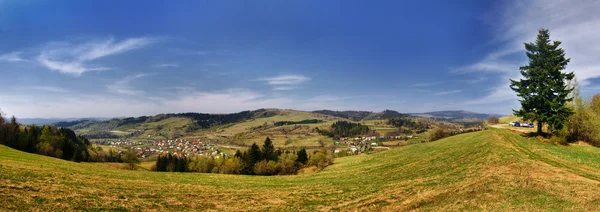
<point x="488" y="170"/>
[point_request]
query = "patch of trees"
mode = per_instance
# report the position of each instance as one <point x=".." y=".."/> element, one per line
<point x="307" y="121"/>
<point x="45" y="140"/>
<point x="263" y="160"/>
<point x="584" y="124"/>
<point x="408" y="123"/>
<point x="345" y="129"/>
<point x="171" y="163"/>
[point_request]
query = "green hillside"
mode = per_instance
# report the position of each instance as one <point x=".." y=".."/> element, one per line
<point x="487" y="170"/>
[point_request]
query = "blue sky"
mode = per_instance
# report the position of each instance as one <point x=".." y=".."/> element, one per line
<point x="130" y="58"/>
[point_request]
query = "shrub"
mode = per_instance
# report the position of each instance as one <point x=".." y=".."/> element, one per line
<point x="321" y="159"/>
<point x="438" y="133"/>
<point x="231" y="166"/>
<point x="493" y="120"/>
<point x="287" y="163"/>
<point x="131" y="158"/>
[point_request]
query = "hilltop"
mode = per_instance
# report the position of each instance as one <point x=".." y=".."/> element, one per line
<point x="488" y="170"/>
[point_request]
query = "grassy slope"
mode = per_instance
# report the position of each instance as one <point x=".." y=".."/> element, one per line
<point x="508" y="119"/>
<point x="492" y="169"/>
<point x="302" y="137"/>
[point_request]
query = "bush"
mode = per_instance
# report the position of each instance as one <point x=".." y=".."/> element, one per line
<point x="493" y="120"/>
<point x="131" y="158"/>
<point x="584" y="124"/>
<point x="265" y="167"/>
<point x="287" y="164"/>
<point x="321" y="159"/>
<point x="438" y="133"/>
<point x="231" y="166"/>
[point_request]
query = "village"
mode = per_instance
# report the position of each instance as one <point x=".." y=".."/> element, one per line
<point x="183" y="147"/>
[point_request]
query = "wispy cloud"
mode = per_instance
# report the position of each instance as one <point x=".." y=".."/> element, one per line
<point x="426" y="84"/>
<point x="49" y="89"/>
<point x="285" y="82"/>
<point x="166" y="65"/>
<point x="190" y="52"/>
<point x="576" y="25"/>
<point x="73" y="59"/>
<point x="123" y="86"/>
<point x="447" y="92"/>
<point x="12" y="57"/>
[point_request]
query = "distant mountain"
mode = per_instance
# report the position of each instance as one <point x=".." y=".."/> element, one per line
<point x="46" y="121"/>
<point x="455" y="115"/>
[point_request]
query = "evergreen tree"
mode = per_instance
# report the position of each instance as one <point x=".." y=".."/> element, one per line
<point x="268" y="150"/>
<point x="238" y="154"/>
<point x="251" y="157"/>
<point x="543" y="90"/>
<point x="254" y="154"/>
<point x="302" y="156"/>
<point x="159" y="163"/>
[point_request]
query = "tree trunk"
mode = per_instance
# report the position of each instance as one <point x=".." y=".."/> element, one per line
<point x="539" y="128"/>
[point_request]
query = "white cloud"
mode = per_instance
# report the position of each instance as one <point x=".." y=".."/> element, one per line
<point x="220" y="101"/>
<point x="166" y="65"/>
<point x="447" y="92"/>
<point x="123" y="86"/>
<point x="285" y="82"/>
<point x="283" y="88"/>
<point x="72" y="59"/>
<point x="577" y="25"/>
<point x="12" y="57"/>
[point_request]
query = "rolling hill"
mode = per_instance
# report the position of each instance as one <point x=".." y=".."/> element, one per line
<point x="455" y="115"/>
<point x="488" y="170"/>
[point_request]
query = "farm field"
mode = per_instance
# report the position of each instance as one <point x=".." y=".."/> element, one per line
<point x="488" y="170"/>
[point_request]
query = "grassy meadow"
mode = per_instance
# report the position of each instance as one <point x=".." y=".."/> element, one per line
<point x="487" y="170"/>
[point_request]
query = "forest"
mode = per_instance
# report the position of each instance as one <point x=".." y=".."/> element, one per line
<point x="51" y="141"/>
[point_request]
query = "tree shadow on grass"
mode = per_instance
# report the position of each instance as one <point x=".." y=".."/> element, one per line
<point x="536" y="135"/>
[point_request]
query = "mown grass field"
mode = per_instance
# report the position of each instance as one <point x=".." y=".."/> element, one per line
<point x="487" y="170"/>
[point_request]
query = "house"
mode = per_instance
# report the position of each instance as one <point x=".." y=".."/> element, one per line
<point x="336" y="151"/>
<point x="373" y="144"/>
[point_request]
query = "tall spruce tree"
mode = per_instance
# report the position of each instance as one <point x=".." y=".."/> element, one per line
<point x="543" y="91"/>
<point x="268" y="150"/>
<point x="254" y="154"/>
<point x="302" y="157"/>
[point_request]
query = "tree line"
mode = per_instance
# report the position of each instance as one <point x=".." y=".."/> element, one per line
<point x="408" y="123"/>
<point x="345" y="129"/>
